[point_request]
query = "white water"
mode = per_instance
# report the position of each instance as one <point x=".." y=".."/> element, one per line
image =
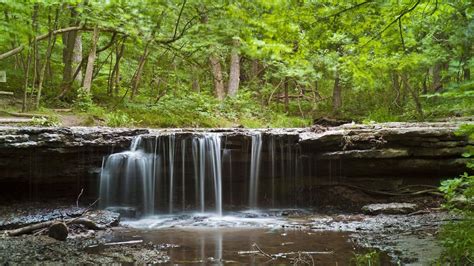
<point x="255" y="169"/>
<point x="126" y="176"/>
<point x="141" y="178"/>
<point x="179" y="173"/>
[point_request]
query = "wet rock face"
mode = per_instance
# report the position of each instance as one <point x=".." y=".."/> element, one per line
<point x="39" y="163"/>
<point x="36" y="161"/>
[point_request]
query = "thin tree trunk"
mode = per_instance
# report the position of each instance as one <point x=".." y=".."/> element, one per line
<point x="48" y="56"/>
<point x="255" y="70"/>
<point x="234" y="73"/>
<point x="90" y="61"/>
<point x="425" y="83"/>
<point x="195" y="85"/>
<point x="336" y="94"/>
<point x="37" y="64"/>
<point x="24" y="106"/>
<point x="69" y="40"/>
<point x="113" y="82"/>
<point x="414" y="94"/>
<point x="437" y="83"/>
<point x="396" y="87"/>
<point x="138" y="74"/>
<point x="218" y="79"/>
<point x="35" y="49"/>
<point x="287" y="99"/>
<point x="77" y="56"/>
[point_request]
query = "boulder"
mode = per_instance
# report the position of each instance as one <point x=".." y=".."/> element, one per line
<point x="389" y="208"/>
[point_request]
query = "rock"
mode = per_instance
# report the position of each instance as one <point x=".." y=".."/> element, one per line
<point x="58" y="231"/>
<point x="389" y="208"/>
<point x="104" y="217"/>
<point x="128" y="212"/>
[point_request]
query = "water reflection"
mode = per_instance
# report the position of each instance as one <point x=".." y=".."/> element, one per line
<point x="222" y="245"/>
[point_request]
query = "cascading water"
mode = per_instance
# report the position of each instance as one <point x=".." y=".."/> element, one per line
<point x="127" y="175"/>
<point x="180" y="172"/>
<point x="255" y="169"/>
<point x="150" y="171"/>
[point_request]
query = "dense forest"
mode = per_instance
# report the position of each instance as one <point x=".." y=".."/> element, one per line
<point x="259" y="63"/>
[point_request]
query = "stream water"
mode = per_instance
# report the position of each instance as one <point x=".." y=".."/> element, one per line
<point x="236" y="245"/>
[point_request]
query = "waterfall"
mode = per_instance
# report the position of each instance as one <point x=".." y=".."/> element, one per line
<point x="171" y="151"/>
<point x="214" y="148"/>
<point x="127" y="175"/>
<point x="271" y="151"/>
<point x="136" y="177"/>
<point x="255" y="169"/>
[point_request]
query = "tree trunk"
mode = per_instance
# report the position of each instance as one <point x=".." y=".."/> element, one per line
<point x="336" y="94"/>
<point x="24" y="106"/>
<point x="397" y="88"/>
<point x="437" y="84"/>
<point x="234" y="73"/>
<point x="90" y="61"/>
<point x="35" y="49"/>
<point x="218" y="79"/>
<point x="114" y="78"/>
<point x="77" y="56"/>
<point x="69" y="41"/>
<point x="138" y="74"/>
<point x="287" y="99"/>
<point x="36" y="54"/>
<point x="195" y="85"/>
<point x="255" y="70"/>
<point x="51" y="40"/>
<point x="414" y="94"/>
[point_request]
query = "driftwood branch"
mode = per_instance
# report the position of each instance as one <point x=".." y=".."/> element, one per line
<point x="45" y="225"/>
<point x="78" y="197"/>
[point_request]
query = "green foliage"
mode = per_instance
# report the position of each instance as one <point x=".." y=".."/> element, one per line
<point x="414" y="68"/>
<point x="43" y="121"/>
<point x="370" y="258"/>
<point x="119" y="119"/>
<point x="458" y="237"/>
<point x="83" y="101"/>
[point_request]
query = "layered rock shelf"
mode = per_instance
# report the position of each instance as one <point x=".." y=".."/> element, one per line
<point x="41" y="163"/>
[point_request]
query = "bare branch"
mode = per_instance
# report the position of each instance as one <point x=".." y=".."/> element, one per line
<point x="393" y="22"/>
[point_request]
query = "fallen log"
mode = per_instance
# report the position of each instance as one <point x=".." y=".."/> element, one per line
<point x="8" y="93"/>
<point x="15" y="120"/>
<point x="31" y="228"/>
<point x="24" y="114"/>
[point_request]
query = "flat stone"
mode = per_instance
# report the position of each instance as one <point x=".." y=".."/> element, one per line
<point x="389" y="208"/>
<point x="128" y="212"/>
